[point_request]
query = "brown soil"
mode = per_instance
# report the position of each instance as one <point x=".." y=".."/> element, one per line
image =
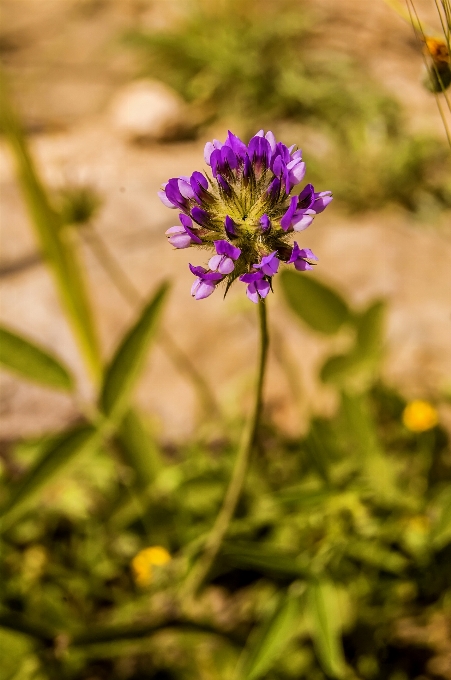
<point x="66" y="65"/>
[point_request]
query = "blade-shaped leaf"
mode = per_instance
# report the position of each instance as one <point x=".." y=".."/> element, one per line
<point x="54" y="241"/>
<point x="60" y="452"/>
<point x="342" y="369"/>
<point x="315" y="303"/>
<point x="138" y="448"/>
<point x="323" y="613"/>
<point x="124" y="369"/>
<point x="32" y="362"/>
<point x="267" y="643"/>
<point x="266" y="560"/>
<point x="370" y="330"/>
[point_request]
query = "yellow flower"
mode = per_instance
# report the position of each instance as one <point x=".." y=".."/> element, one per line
<point x="143" y="562"/>
<point x="419" y="416"/>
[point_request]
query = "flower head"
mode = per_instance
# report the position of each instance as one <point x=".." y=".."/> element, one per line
<point x="145" y="560"/>
<point x="419" y="416"/>
<point x="244" y="212"/>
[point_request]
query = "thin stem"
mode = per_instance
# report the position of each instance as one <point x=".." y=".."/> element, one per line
<point x="132" y="295"/>
<point x="221" y="525"/>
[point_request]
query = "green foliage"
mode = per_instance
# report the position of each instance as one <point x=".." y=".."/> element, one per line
<point x="26" y="359"/>
<point x="267" y="64"/>
<point x="324" y="614"/>
<point x="270" y="639"/>
<point x="129" y="358"/>
<point x="315" y="303"/>
<point x="55" y="242"/>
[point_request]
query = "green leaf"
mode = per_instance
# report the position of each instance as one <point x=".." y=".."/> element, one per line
<point x="363" y="358"/>
<point x="441" y="527"/>
<point x="128" y="360"/>
<point x="370" y="330"/>
<point x="32" y="362"/>
<point x="316" y="304"/>
<point x="139" y="450"/>
<point x="266" y="560"/>
<point x="267" y="643"/>
<point x="55" y="242"/>
<point x="55" y="459"/>
<point x="323" y="613"/>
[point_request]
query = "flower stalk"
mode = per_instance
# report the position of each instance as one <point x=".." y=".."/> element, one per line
<point x="248" y="439"/>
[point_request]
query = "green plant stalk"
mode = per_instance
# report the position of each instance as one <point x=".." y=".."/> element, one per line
<point x="57" y="248"/>
<point x="221" y="525"/>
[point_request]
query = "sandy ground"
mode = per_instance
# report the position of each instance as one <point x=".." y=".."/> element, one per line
<point x="65" y="96"/>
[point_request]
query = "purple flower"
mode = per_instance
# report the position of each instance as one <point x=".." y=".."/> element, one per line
<point x="258" y="287"/>
<point x="183" y="236"/>
<point x="269" y="264"/>
<point x="224" y="261"/>
<point x="300" y="256"/>
<point x="205" y="282"/>
<point x="245" y="212"/>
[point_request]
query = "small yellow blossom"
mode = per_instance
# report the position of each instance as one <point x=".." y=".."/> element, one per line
<point x="143" y="562"/>
<point x="419" y="416"/>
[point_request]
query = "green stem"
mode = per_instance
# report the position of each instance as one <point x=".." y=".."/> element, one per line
<point x="221" y="525"/>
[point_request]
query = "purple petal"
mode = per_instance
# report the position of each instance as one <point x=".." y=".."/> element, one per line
<point x="302" y="266"/>
<point x="226" y="248"/>
<point x="165" y="200"/>
<point x="186" y="220"/>
<point x="278" y="166"/>
<point x="226" y="265"/>
<point x="259" y="151"/>
<point x="214" y="262"/>
<point x="272" y="140"/>
<point x="230" y="227"/>
<point x="262" y="287"/>
<point x="173" y="193"/>
<point x="296" y="172"/>
<point x="251" y="277"/>
<point x="306" y="197"/>
<point x="296" y="154"/>
<point x="269" y="264"/>
<point x="209" y="148"/>
<point x="212" y="276"/>
<point x="301" y="221"/>
<point x="223" y="183"/>
<point x="215" y="161"/>
<point x="274" y="189"/>
<point x="204" y="289"/>
<point x="199" y="178"/>
<point x="251" y="293"/>
<point x="197" y="270"/>
<point x="228" y="158"/>
<point x="180" y="240"/>
<point x="285" y="222"/>
<point x="247" y="170"/>
<point x="322" y="200"/>
<point x="265" y="222"/>
<point x="200" y="216"/>
<point x="186" y="189"/>
<point x="237" y="145"/>
<point x="309" y="254"/>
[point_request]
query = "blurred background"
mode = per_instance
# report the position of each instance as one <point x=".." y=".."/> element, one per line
<point x="337" y="564"/>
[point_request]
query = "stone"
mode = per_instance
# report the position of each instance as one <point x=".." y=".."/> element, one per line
<point x="148" y="110"/>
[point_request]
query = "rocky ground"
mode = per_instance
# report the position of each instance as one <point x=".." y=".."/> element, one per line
<point x="68" y="72"/>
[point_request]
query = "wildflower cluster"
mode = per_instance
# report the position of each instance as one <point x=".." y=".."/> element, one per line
<point x="244" y="212"/>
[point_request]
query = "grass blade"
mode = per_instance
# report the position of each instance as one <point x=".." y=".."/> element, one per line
<point x="267" y="643"/>
<point x="55" y="459"/>
<point x="326" y="630"/>
<point x="124" y="369"/>
<point x="54" y="240"/>
<point x="30" y="361"/>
